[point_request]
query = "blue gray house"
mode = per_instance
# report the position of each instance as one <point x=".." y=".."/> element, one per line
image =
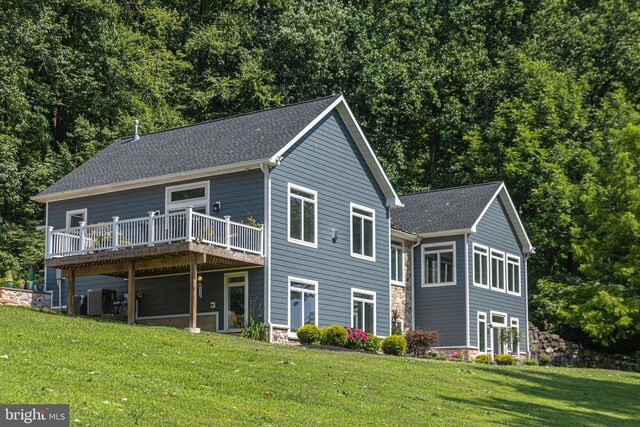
<point x="469" y="254"/>
<point x="287" y="216"/>
<point x="281" y="214"/>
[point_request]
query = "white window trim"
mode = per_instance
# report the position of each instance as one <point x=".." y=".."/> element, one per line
<point x="487" y="265"/>
<point x="401" y="322"/>
<point x="486" y="333"/>
<point x="353" y="206"/>
<point x="490" y="322"/>
<point x="402" y="261"/>
<point x="511" y="259"/>
<point x="183" y="204"/>
<point x="313" y="244"/>
<point x="375" y="306"/>
<point x="307" y="282"/>
<point x="227" y="285"/>
<point x="74" y="212"/>
<point x="425" y="248"/>
<point x="514" y="322"/>
<point x="504" y="269"/>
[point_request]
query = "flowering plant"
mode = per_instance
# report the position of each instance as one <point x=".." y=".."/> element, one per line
<point x="456" y="355"/>
<point x="356" y="339"/>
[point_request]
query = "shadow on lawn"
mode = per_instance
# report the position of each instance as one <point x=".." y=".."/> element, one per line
<point x="586" y="401"/>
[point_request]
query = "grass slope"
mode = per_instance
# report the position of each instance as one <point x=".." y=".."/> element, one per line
<point x="114" y="374"/>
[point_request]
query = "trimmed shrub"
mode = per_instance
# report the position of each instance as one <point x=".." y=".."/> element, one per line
<point x="308" y="334"/>
<point x="505" y="359"/>
<point x="530" y="362"/>
<point x="440" y="357"/>
<point x="482" y="358"/>
<point x="356" y="338"/>
<point x="420" y="341"/>
<point x="333" y="335"/>
<point x="394" y="345"/>
<point x="373" y="344"/>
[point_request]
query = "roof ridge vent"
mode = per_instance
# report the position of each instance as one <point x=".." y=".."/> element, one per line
<point x="135" y="130"/>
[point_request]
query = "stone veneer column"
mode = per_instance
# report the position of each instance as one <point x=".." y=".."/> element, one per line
<point x="401" y="295"/>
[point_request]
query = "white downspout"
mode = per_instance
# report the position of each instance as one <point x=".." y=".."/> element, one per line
<point x="413" y="284"/>
<point x="466" y="285"/>
<point x="267" y="248"/>
<point x="526" y="300"/>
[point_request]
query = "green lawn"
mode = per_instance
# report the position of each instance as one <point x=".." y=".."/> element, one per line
<point x="114" y="374"/>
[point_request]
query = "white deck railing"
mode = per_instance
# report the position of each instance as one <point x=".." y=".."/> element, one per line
<point x="153" y="229"/>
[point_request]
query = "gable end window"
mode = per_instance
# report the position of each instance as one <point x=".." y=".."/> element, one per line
<point x="74" y="218"/>
<point x="397" y="263"/>
<point x="363" y="221"/>
<point x="497" y="271"/>
<point x="513" y="275"/>
<point x="480" y="266"/>
<point x="303" y="215"/>
<point x="194" y="195"/>
<point x="439" y="264"/>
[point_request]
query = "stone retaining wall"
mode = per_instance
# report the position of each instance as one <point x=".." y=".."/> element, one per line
<point x="25" y="298"/>
<point x="565" y="353"/>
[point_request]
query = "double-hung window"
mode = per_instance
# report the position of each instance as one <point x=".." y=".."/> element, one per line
<point x="438" y="264"/>
<point x="482" y="332"/>
<point x="480" y="266"/>
<point x="363" y="232"/>
<point x="513" y="275"/>
<point x="194" y="195"/>
<point x="497" y="270"/>
<point x="303" y="215"/>
<point x="363" y="311"/>
<point x="303" y="303"/>
<point x="397" y="263"/>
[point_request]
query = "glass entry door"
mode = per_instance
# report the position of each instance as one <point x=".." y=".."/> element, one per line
<point x="236" y="300"/>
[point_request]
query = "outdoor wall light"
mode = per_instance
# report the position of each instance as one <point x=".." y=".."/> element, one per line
<point x="334" y="234"/>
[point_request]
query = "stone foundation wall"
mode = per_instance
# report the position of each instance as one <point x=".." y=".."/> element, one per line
<point x="279" y="335"/>
<point x="401" y="295"/>
<point x="25" y="298"/>
<point x="565" y="353"/>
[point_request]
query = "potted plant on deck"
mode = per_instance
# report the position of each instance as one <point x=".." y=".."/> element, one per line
<point x="8" y="279"/>
<point x="32" y="269"/>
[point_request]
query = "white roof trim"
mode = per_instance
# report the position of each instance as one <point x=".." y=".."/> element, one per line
<point x="361" y="141"/>
<point x="148" y="182"/>
<point x="458" y="232"/>
<point x="513" y="216"/>
<point x="403" y="235"/>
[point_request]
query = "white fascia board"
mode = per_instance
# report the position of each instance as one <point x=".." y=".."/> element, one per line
<point x="513" y="217"/>
<point x="392" y="201"/>
<point x="402" y="235"/>
<point x="148" y="182"/>
<point x="446" y="233"/>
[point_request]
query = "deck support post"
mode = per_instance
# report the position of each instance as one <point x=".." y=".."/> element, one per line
<point x="193" y="295"/>
<point x="131" y="293"/>
<point x="71" y="290"/>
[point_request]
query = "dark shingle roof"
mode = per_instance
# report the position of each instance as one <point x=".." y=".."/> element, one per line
<point x="443" y="210"/>
<point x="237" y="139"/>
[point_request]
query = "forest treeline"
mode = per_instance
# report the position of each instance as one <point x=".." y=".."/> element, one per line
<point x="541" y="94"/>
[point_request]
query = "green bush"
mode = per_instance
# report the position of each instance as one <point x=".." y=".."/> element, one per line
<point x="482" y="358"/>
<point x="440" y="357"/>
<point x="373" y="344"/>
<point x="530" y="362"/>
<point x="308" y="334"/>
<point x="505" y="359"/>
<point x="333" y="335"/>
<point x="394" y="345"/>
<point x="544" y="360"/>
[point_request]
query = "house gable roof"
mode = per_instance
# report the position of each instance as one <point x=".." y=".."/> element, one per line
<point x="218" y="146"/>
<point x="455" y="210"/>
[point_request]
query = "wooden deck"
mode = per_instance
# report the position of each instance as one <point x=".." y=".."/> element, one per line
<point x="150" y="261"/>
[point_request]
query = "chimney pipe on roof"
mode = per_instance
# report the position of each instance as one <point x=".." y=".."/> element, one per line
<point x="135" y="131"/>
